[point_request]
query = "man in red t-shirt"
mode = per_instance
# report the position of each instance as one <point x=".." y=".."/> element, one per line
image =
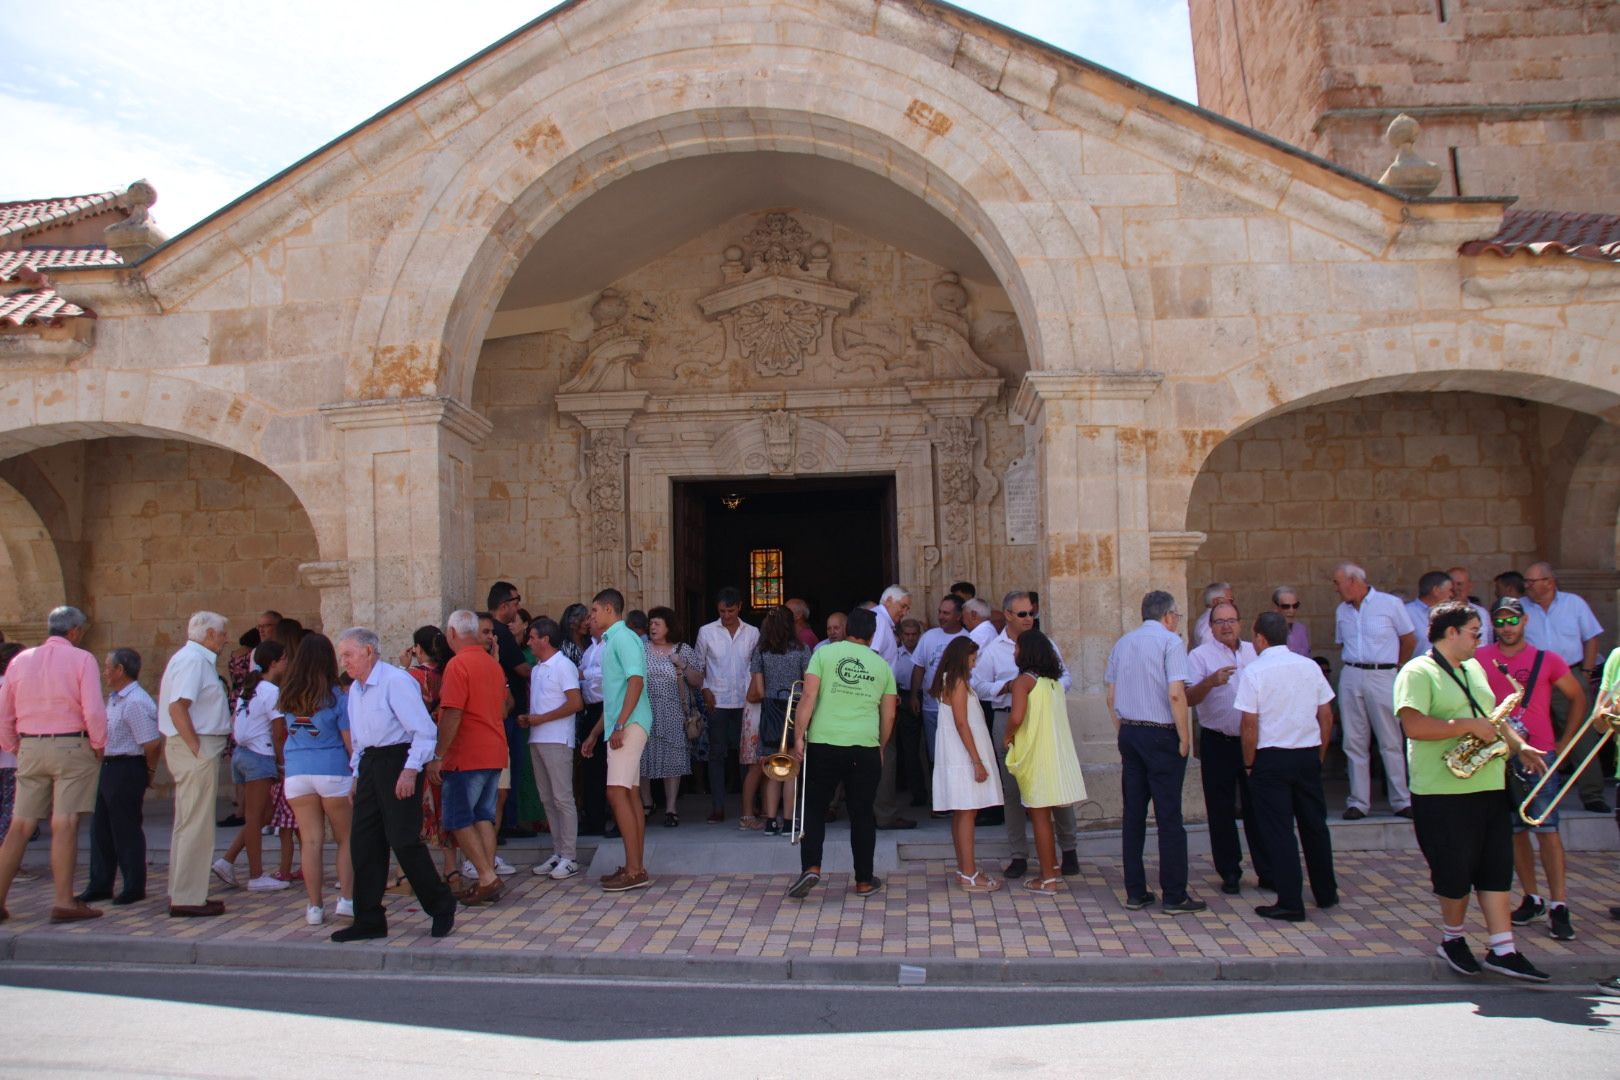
<point x="472" y="749"/>
<point x="1540" y="672"/>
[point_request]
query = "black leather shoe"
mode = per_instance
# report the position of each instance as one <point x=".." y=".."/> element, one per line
<point x="1280" y="913"/>
<point x="1355" y="813"/>
<point x="443" y="924"/>
<point x="1016" y="869"/>
<point x="1596" y="806"/>
<point x="1137" y="903"/>
<point x="1232" y="886"/>
<point x="1405" y="812"/>
<point x="88" y="897"/>
<point x="366" y="933"/>
<point x="128" y="898"/>
<point x="1071" y="864"/>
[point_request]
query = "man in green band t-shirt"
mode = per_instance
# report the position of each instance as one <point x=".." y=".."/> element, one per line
<point x="1608" y="697"/>
<point x="1463" y="824"/>
<point x="842" y="723"/>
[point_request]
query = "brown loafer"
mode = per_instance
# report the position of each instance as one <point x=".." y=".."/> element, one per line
<point x="76" y="913"/>
<point x="484" y="894"/>
<point x="197" y="911"/>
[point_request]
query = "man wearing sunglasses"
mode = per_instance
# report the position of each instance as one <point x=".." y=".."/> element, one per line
<point x="1285" y="598"/>
<point x="1540" y="672"/>
<point x="1563" y="623"/>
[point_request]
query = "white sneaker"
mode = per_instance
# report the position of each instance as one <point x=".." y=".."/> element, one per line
<point x="468" y="870"/>
<point x="266" y="883"/>
<point x="344" y="908"/>
<point x="565" y="869"/>
<point x="548" y="866"/>
<point x="313" y="915"/>
<point x="504" y="868"/>
<point x="226" y="873"/>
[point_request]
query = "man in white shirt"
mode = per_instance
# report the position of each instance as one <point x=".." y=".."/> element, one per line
<point x="1214" y="593"/>
<point x="1212" y="671"/>
<point x="726" y="646"/>
<point x="1286" y="721"/>
<point x="554" y="701"/>
<point x="893" y="607"/>
<point x="837" y="622"/>
<point x="393" y="740"/>
<point x="930" y="651"/>
<point x="1462" y="586"/>
<point x="1433" y="589"/>
<point x="1563" y="623"/>
<point x="992" y="679"/>
<point x="193" y="713"/>
<point x="1375" y="634"/>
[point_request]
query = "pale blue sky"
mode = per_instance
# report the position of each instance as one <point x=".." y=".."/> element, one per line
<point x="206" y="99"/>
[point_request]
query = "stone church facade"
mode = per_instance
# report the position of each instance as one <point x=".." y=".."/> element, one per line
<point x="1095" y="340"/>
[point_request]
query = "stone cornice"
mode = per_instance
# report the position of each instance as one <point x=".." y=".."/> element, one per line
<point x="1039" y="387"/>
<point x="954" y="397"/>
<point x="775" y="286"/>
<point x="106" y="290"/>
<point x="602" y="408"/>
<point x="324" y="575"/>
<point x="1175" y="545"/>
<point x="409" y="412"/>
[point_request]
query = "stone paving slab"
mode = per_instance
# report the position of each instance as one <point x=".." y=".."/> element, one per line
<point x="743" y="927"/>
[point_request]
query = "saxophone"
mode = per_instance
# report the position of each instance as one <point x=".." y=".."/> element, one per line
<point x="1471" y="753"/>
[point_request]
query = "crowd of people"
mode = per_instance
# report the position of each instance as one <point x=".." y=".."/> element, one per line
<point x="499" y="724"/>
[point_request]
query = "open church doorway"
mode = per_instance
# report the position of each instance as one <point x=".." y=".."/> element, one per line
<point x="829" y="539"/>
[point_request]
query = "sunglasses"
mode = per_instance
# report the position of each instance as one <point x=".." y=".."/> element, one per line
<point x="1290" y="607"/>
<point x="1020" y="614"/>
<point x="1507" y="620"/>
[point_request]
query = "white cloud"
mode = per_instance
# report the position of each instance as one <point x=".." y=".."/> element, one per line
<point x="207" y="100"/>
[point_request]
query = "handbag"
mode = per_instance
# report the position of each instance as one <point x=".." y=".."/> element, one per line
<point x="694" y="720"/>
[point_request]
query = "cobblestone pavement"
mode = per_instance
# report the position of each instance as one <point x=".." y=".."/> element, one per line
<point x="1386" y="911"/>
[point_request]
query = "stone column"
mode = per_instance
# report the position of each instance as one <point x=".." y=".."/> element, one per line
<point x="407" y="466"/>
<point x="605" y="416"/>
<point x="1091" y="431"/>
<point x="331" y="578"/>
<point x="1170" y="553"/>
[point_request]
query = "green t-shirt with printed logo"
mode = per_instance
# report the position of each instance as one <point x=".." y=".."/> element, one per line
<point x="1423" y="686"/>
<point x="854" y="681"/>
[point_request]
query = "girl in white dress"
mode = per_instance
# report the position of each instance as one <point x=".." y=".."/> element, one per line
<point x="964" y="781"/>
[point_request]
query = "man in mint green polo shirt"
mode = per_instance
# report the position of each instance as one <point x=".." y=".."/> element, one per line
<point x="1463" y="825"/>
<point x="843" y="721"/>
<point x="627" y="719"/>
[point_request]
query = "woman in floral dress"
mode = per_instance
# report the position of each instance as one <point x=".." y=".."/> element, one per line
<point x="672" y="667"/>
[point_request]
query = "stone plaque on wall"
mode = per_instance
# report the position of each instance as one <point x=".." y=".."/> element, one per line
<point x="1021" y="494"/>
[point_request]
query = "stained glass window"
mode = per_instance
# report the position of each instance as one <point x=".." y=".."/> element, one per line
<point x="765" y="578"/>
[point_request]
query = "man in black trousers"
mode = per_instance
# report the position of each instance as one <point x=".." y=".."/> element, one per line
<point x="394" y="739"/>
<point x="1285" y="727"/>
<point x="117" y="838"/>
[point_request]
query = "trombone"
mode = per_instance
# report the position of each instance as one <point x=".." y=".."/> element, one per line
<point x="1609" y="717"/>
<point x="785" y="767"/>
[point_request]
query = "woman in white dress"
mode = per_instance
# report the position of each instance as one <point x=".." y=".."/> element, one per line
<point x="964" y="782"/>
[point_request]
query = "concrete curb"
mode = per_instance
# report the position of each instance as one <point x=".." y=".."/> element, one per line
<point x="868" y="971"/>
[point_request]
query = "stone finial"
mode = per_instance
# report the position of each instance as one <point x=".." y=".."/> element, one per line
<point x="1408" y="174"/>
<point x="136" y="235"/>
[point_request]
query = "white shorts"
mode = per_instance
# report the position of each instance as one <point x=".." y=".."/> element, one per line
<point x="327" y="787"/>
<point x="624" y="764"/>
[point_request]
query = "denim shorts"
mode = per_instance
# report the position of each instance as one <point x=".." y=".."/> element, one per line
<point x="468" y="797"/>
<point x="248" y="766"/>
<point x="1519" y="789"/>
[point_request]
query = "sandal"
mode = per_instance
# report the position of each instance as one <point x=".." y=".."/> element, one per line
<point x="401" y="887"/>
<point x="1046" y="886"/>
<point x="455" y="881"/>
<point x="978" y="881"/>
<point x="671" y="820"/>
<point x="750" y="823"/>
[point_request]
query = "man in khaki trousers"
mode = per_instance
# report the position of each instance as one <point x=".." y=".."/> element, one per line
<point x="194" y="715"/>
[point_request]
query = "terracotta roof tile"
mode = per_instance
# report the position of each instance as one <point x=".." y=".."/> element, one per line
<point x="30" y="214"/>
<point x="36" y="307"/>
<point x="1581" y="236"/>
<point x="43" y="258"/>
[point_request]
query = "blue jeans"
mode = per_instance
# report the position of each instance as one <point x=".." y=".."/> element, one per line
<point x="469" y="796"/>
<point x="1153" y="769"/>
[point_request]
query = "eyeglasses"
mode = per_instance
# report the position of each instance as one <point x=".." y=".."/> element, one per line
<point x="1507" y="620"/>
<point x="1536" y="580"/>
<point x="1290" y="607"/>
<point x="1223" y="622"/>
<point x="1020" y="614"/>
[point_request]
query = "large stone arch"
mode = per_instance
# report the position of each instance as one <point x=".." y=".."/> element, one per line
<point x="31" y="579"/>
<point x="581" y="121"/>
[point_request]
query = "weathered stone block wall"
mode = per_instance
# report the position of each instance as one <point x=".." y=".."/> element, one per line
<point x="171" y="528"/>
<point x="1284" y="66"/>
<point x="531" y="504"/>
<point x="1399" y="483"/>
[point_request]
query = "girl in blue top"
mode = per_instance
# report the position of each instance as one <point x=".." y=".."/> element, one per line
<point x="313" y="727"/>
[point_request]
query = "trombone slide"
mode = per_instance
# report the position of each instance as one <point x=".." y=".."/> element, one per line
<point x="1610" y="717"/>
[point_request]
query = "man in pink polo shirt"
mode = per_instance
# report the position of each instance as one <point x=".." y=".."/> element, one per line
<point x="53" y="717"/>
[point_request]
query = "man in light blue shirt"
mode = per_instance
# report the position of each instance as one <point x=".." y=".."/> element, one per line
<point x="1561" y="622"/>
<point x="626" y="722"/>
<point x="1433" y="589"/>
<point x="1147" y="699"/>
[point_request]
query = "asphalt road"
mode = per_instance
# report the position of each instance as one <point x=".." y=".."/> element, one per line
<point x="151" y="1022"/>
